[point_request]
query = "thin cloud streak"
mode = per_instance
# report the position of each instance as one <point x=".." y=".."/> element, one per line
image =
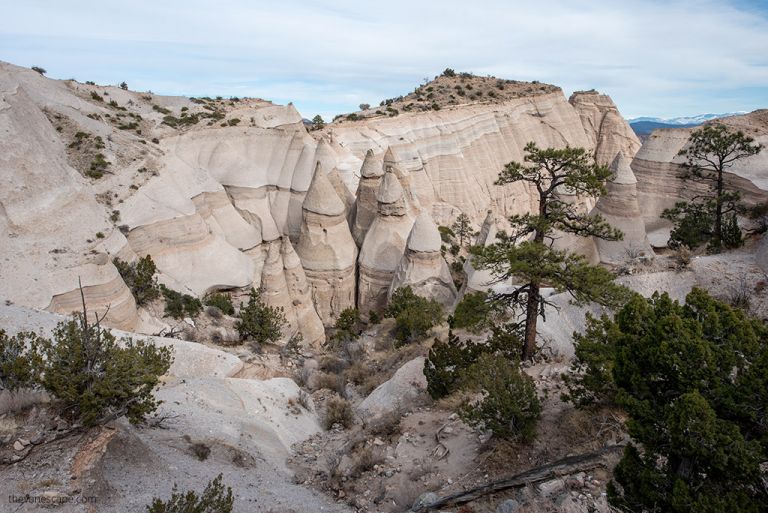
<point x="658" y="58"/>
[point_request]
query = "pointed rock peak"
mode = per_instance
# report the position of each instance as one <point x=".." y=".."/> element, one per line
<point x="371" y="168"/>
<point x="290" y="258"/>
<point x="321" y="197"/>
<point x="622" y="172"/>
<point x="390" y="189"/>
<point x="273" y="254"/>
<point x="424" y="237"/>
<point x="389" y="157"/>
<point x="488" y="231"/>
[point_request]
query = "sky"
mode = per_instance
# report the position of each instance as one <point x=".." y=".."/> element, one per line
<point x="662" y="58"/>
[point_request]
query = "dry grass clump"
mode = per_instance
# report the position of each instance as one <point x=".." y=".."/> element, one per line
<point x="363" y="461"/>
<point x="333" y="382"/>
<point x="332" y="364"/>
<point x="338" y="411"/>
<point x="386" y="425"/>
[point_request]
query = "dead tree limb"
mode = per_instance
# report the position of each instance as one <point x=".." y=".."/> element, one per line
<point x="565" y="466"/>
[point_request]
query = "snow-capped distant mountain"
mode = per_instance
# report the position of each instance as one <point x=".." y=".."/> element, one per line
<point x="643" y="126"/>
<point x="685" y="120"/>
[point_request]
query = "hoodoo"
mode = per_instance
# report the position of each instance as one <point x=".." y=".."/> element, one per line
<point x="274" y="287"/>
<point x="366" y="205"/>
<point x="423" y="267"/>
<point x="383" y="246"/>
<point x="326" y="249"/>
<point x="620" y="208"/>
<point x="479" y="279"/>
<point x="310" y="325"/>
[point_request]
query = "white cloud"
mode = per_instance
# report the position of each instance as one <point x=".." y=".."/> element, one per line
<point x="666" y="58"/>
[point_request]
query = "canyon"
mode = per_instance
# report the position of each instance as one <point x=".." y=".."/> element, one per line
<point x="240" y="194"/>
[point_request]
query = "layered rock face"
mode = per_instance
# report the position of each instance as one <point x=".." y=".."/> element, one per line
<point x="423" y="267"/>
<point x="619" y="207"/>
<point x="605" y="128"/>
<point x="53" y="233"/>
<point x="383" y="246"/>
<point x="326" y="249"/>
<point x="657" y="167"/>
<point x="218" y="207"/>
<point x="454" y="155"/>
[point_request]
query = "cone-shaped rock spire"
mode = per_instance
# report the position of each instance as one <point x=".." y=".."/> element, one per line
<point x="423" y="267"/>
<point x="326" y="249"/>
<point x="620" y="208"/>
<point x="310" y="325"/>
<point x="366" y="204"/>
<point x="383" y="246"/>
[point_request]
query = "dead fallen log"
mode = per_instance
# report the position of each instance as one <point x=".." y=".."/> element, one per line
<point x="565" y="466"/>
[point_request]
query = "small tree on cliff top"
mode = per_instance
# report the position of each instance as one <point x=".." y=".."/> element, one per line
<point x="527" y="256"/>
<point x="711" y="150"/>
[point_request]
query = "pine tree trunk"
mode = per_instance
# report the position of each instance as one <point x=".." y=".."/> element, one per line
<point x="719" y="211"/>
<point x="531" y="320"/>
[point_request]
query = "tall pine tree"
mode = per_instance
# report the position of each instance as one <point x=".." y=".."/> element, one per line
<point x="710" y="152"/>
<point x="527" y="256"/>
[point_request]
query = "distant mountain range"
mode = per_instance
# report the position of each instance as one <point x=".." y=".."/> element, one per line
<point x="643" y="126"/>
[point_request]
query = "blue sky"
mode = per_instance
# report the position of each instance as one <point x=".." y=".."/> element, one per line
<point x="659" y="58"/>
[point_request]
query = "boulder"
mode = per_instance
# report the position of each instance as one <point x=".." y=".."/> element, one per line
<point x="403" y="391"/>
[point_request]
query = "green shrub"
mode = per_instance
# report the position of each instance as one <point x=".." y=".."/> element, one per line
<point x="39" y="70"/>
<point x="140" y="278"/>
<point x="259" y="322"/>
<point x="214" y="499"/>
<point x="509" y="406"/>
<point x="476" y="312"/>
<point x="96" y="96"/>
<point x="347" y="325"/>
<point x="18" y="362"/>
<point x="338" y="411"/>
<point x="693" y="380"/>
<point x="446" y="363"/>
<point x="178" y="305"/>
<point x="161" y="110"/>
<point x="693" y="224"/>
<point x="123" y="86"/>
<point x="96" y="380"/>
<point x="448" y="72"/>
<point x="446" y="234"/>
<point x="414" y="315"/>
<point x="221" y="301"/>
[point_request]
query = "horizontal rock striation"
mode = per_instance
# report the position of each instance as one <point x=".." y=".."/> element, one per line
<point x="454" y="155"/>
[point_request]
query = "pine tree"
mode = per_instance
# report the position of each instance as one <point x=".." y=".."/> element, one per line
<point x="318" y="122"/>
<point x="260" y="322"/>
<point x="527" y="253"/>
<point x="710" y="152"/>
<point x="214" y="499"/>
<point x="693" y="379"/>
<point x="462" y="227"/>
<point x="94" y="379"/>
